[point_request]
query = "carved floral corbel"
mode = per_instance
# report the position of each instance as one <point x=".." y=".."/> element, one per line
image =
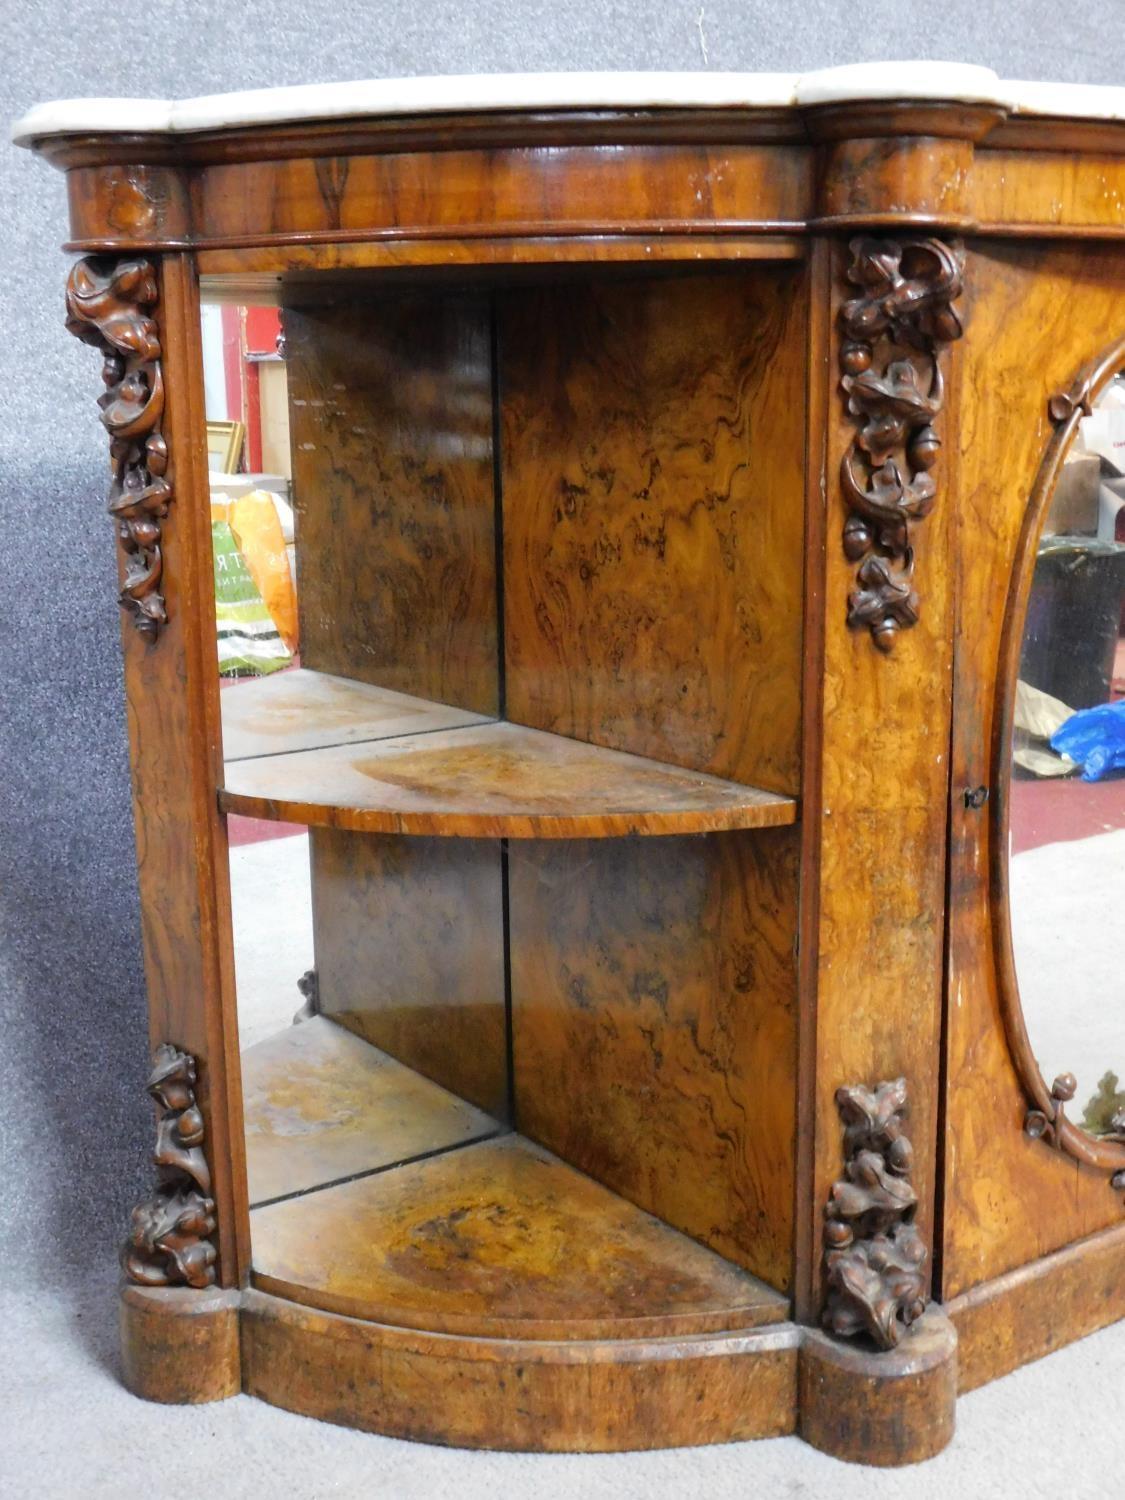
<point x="873" y="1254"/>
<point x="169" y="1238"/>
<point x="109" y="305"/>
<point x="894" y="333"/>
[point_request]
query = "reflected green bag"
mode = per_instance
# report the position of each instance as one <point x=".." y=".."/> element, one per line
<point x="248" y="640"/>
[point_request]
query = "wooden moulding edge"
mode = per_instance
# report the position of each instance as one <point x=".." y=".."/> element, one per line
<point x="1029" y="1312"/>
<point x="860" y="1404"/>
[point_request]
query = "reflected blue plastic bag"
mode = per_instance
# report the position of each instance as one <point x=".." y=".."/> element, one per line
<point x="1095" y="738"/>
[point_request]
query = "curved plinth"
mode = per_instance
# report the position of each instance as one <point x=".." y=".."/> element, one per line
<point x="520" y="1395"/>
<point x="179" y="1345"/>
<point x="546" y="1395"/>
<point x="873" y="1407"/>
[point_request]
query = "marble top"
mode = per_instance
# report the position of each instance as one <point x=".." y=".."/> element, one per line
<point x="954" y="82"/>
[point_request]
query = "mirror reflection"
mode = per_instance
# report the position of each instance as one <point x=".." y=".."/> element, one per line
<point x="1067" y="850"/>
<point x="250" y="474"/>
<point x="368" y="971"/>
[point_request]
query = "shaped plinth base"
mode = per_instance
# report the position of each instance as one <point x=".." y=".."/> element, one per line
<point x="179" y="1345"/>
<point x="530" y="1395"/>
<point x="885" y="1408"/>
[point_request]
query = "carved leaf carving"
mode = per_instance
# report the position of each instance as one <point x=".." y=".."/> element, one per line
<point x="874" y="1255"/>
<point x="894" y="389"/>
<point x="109" y="305"/>
<point x="169" y="1237"/>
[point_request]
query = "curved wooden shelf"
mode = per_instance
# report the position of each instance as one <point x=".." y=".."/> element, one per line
<point x="493" y="780"/>
<point x="500" y="1239"/>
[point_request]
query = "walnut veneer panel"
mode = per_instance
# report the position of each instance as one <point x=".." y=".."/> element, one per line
<point x="560" y="188"/>
<point x="409" y="940"/>
<point x="654" y="1027"/>
<point x="391" y="432"/>
<point x="258" y="272"/>
<point x="172" y="694"/>
<point x="874" y="861"/>
<point x="494" y="781"/>
<point x="653" y="438"/>
<point x="321" y="1105"/>
<point x="303" y="710"/>
<point x="1037" y="314"/>
<point x="499" y="1238"/>
<point x="1037" y="1308"/>
<point x="561" y="1396"/>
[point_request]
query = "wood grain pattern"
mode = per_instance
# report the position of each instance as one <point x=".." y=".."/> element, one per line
<point x="671" y="450"/>
<point x="322" y="1105"/>
<point x="879" y="860"/>
<point x="652" y="459"/>
<point x="1067" y="191"/>
<point x="391" y="431"/>
<point x="305" y="710"/>
<point x="879" y="1408"/>
<point x="178" y="1345"/>
<point x="589" y="189"/>
<point x="485" y="129"/>
<point x="869" y="178"/>
<point x="494" y="781"/>
<point x="738" y="172"/>
<point x="1027" y="1313"/>
<point x="654" y="1027"/>
<point x="259" y="274"/>
<point x="520" y="1395"/>
<point x="409" y="938"/>
<point x="820" y="396"/>
<point x="1038" y="313"/>
<point x="499" y="1239"/>
<point x="172" y="691"/>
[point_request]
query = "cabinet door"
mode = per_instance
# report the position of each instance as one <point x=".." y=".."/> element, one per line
<point x="1030" y="990"/>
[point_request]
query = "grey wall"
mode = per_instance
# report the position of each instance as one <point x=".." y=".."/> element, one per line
<point x="76" y="1126"/>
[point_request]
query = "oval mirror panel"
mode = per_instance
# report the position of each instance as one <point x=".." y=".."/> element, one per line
<point x="1067" y="791"/>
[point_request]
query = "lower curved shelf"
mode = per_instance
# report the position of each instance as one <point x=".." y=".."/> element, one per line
<point x="500" y="1239"/>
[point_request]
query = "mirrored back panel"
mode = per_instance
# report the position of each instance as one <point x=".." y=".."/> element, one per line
<point x="1067" y="797"/>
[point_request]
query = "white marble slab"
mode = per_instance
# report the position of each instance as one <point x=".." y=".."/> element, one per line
<point x="958" y="82"/>
<point x="965" y="83"/>
<point x="1086" y="101"/>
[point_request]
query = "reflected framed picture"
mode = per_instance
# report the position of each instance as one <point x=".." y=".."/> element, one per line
<point x="224" y="446"/>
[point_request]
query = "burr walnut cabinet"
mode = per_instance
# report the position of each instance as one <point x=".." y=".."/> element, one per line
<point x="668" y="459"/>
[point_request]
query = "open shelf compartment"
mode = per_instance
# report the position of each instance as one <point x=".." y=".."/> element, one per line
<point x="447" y="1221"/>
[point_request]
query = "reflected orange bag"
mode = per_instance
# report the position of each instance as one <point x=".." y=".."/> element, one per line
<point x="253" y="520"/>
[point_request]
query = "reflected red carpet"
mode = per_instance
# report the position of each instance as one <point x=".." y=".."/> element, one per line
<point x="1066" y="808"/>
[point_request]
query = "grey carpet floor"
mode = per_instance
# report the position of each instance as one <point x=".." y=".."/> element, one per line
<point x="67" y="1427"/>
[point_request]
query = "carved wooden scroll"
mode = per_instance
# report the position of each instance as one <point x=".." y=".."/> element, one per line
<point x="894" y="334"/>
<point x="108" y="305"/>
<point x="1046" y="1124"/>
<point x="874" y="1255"/>
<point x="1104" y="1121"/>
<point x="169" y="1241"/>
